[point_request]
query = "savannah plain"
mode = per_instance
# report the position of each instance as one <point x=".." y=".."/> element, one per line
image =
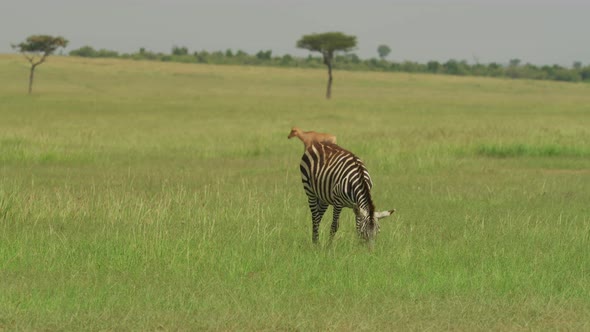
<point x="164" y="196"/>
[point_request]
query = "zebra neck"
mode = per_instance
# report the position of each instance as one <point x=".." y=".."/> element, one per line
<point x="365" y="205"/>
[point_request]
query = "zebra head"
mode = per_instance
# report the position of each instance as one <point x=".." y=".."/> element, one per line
<point x="367" y="225"/>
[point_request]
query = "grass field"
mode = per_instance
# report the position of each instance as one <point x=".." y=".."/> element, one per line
<point x="150" y="196"/>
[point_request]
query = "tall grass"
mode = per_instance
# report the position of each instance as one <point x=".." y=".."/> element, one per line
<point x="143" y="196"/>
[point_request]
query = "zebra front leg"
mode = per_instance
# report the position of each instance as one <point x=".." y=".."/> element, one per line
<point x="335" y="223"/>
<point x="318" y="208"/>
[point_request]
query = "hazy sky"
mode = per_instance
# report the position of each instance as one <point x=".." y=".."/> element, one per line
<point x="540" y="32"/>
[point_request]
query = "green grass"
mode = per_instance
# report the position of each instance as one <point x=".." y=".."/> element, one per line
<point x="517" y="150"/>
<point x="144" y="196"/>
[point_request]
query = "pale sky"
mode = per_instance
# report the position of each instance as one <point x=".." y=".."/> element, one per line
<point x="540" y="32"/>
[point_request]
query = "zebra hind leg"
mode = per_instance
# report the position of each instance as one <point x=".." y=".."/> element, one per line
<point x="318" y="209"/>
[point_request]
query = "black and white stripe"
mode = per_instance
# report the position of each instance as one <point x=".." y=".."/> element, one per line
<point x="334" y="176"/>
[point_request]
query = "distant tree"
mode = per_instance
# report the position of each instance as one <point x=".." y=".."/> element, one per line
<point x="411" y="67"/>
<point x="563" y="74"/>
<point x="433" y="66"/>
<point x="241" y="54"/>
<point x="454" y="67"/>
<point x="494" y="69"/>
<point x="202" y="57"/>
<point x="264" y="55"/>
<point x="89" y="52"/>
<point x="104" y="53"/>
<point x="577" y="65"/>
<point x="383" y="51"/>
<point x="84" y="51"/>
<point x="354" y="58"/>
<point x="327" y="44"/>
<point x="514" y="62"/>
<point x="217" y="57"/>
<point x="286" y="60"/>
<point x="372" y="63"/>
<point x="179" y="50"/>
<point x="36" y="49"/>
<point x="229" y="53"/>
<point x="145" y="54"/>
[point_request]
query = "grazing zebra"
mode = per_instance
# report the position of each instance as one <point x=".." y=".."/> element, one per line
<point x="334" y="176"/>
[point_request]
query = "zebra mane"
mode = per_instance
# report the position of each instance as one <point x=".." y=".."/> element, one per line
<point x="366" y="188"/>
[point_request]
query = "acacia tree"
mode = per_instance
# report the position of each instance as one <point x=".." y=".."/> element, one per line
<point x="36" y="49"/>
<point x="327" y="44"/>
<point x="383" y="51"/>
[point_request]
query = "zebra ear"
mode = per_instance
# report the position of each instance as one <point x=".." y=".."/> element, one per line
<point x="383" y="214"/>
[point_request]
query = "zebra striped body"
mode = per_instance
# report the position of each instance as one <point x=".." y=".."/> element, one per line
<point x="334" y="176"/>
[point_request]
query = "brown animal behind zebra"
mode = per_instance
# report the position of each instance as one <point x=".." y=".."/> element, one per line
<point x="308" y="137"/>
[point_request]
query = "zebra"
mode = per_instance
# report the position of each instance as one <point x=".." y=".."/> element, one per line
<point x="334" y="176"/>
